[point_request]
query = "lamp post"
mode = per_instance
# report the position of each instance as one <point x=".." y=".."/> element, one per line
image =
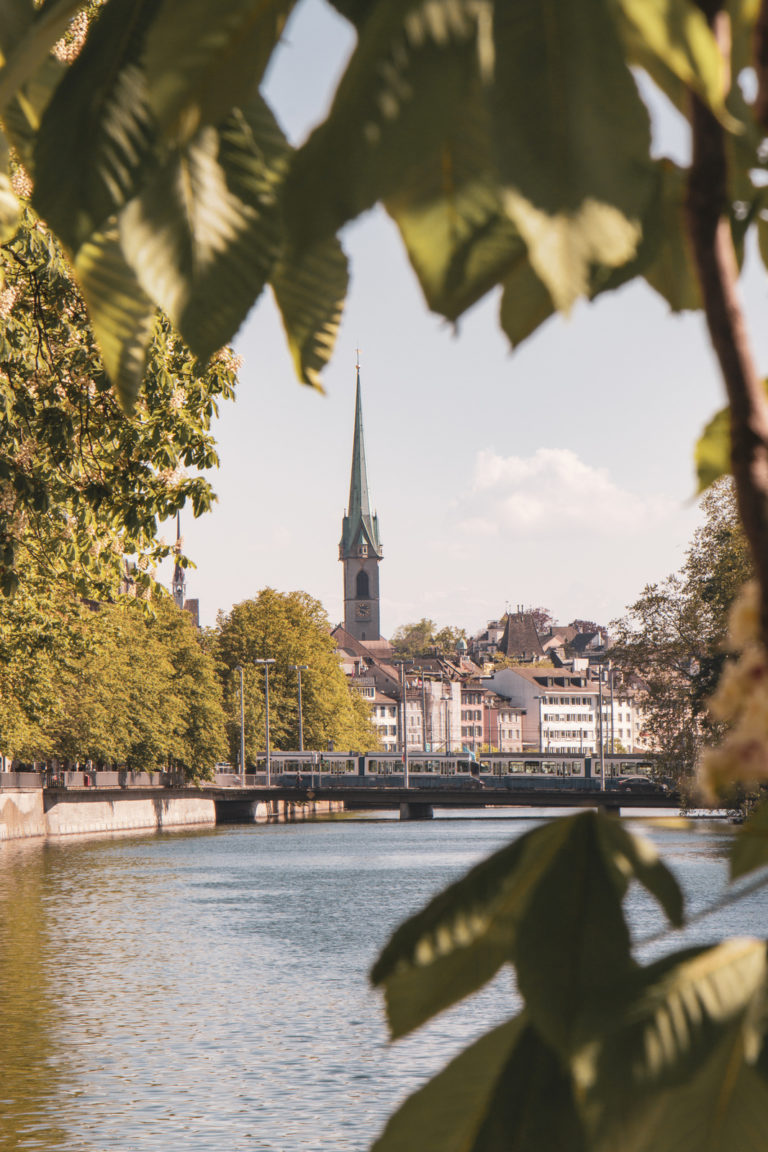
<point x="298" y="669"/>
<point x="239" y="668"/>
<point x="266" y="662"/>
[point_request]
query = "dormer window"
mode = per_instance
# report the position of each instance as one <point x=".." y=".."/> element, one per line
<point x="363" y="549"/>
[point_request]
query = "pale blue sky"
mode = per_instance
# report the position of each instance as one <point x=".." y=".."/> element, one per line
<point x="558" y="475"/>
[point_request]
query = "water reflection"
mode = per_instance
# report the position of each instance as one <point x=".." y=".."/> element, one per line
<point x="33" y="1058"/>
<point x="207" y="990"/>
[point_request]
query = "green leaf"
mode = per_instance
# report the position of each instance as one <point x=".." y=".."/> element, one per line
<point x="122" y="316"/>
<point x="712" y="454"/>
<point x="673" y="272"/>
<point x="672" y="39"/>
<point x="198" y="249"/>
<point x="310" y="294"/>
<point x="637" y="858"/>
<point x="572" y="140"/>
<point x="203" y="59"/>
<point x="654" y="1068"/>
<point x="507" y="1091"/>
<point x="97" y="131"/>
<point x="525" y="303"/>
<point x="450" y="214"/>
<point x="461" y="938"/>
<point x="750" y="846"/>
<point x="573" y="949"/>
<point x="414" y="66"/>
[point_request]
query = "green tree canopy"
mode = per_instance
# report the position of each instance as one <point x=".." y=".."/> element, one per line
<point x="674" y="635"/>
<point x="82" y="485"/>
<point x="107" y="683"/>
<point x="292" y="628"/>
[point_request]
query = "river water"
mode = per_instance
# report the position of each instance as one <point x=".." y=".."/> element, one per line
<point x="207" y="991"/>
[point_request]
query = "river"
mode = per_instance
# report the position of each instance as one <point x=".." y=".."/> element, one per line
<point x="207" y="991"/>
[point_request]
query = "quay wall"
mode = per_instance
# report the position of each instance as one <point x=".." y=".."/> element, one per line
<point x="30" y="811"/>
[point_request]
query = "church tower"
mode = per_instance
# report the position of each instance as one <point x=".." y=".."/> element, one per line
<point x="360" y="548"/>
<point x="179" y="583"/>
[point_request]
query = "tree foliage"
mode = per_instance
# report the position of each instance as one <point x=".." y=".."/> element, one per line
<point x="511" y="145"/>
<point x="291" y="628"/>
<point x="106" y="683"/>
<point x="424" y="637"/>
<point x="82" y="485"/>
<point x="674" y="636"/>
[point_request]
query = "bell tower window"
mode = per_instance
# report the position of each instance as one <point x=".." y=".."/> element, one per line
<point x="362" y="588"/>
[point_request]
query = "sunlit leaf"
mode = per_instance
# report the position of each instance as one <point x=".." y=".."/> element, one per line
<point x="573" y="949"/>
<point x="672" y="272"/>
<point x="654" y="1068"/>
<point x="507" y="1091"/>
<point x="750" y="846"/>
<point x="450" y="214"/>
<point x="96" y="132"/>
<point x="672" y="38"/>
<point x="204" y="59"/>
<point x="638" y="859"/>
<point x="198" y="250"/>
<point x="310" y="294"/>
<point x="525" y="303"/>
<point x="121" y="315"/>
<point x="712" y="453"/>
<point x="572" y="140"/>
<point x="461" y="938"/>
<point x="413" y="68"/>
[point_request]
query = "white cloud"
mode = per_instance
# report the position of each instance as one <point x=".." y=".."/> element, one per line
<point x="554" y="493"/>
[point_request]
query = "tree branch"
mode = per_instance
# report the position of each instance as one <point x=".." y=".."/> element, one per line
<point x="710" y="234"/>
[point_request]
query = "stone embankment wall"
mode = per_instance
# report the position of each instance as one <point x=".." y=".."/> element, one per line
<point x="27" y="811"/>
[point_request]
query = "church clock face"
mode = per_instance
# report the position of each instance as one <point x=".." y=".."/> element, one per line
<point x="363" y="610"/>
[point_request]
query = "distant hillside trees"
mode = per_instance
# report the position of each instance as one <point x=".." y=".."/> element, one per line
<point x="424" y="637"/>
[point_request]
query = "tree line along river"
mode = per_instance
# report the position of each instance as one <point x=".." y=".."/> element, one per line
<point x="208" y="990"/>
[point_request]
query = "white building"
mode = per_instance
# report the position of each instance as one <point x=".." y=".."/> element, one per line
<point x="561" y="710"/>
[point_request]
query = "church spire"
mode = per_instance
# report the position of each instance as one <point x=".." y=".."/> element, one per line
<point x="360" y="547"/>
<point x="179" y="582"/>
<point x="359" y="525"/>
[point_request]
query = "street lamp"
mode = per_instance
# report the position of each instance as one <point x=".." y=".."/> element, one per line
<point x="298" y="669"/>
<point x="266" y="662"/>
<point x="239" y="668"/>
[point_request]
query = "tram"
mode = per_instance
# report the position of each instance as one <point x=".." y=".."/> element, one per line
<point x="524" y="770"/>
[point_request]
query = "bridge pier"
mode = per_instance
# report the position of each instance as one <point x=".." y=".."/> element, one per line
<point x="416" y="811"/>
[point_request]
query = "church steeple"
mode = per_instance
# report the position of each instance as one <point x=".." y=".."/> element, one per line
<point x="179" y="582"/>
<point x="360" y="546"/>
<point x="359" y="525"/>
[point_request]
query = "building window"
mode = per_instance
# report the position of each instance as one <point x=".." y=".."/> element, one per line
<point x="362" y="586"/>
